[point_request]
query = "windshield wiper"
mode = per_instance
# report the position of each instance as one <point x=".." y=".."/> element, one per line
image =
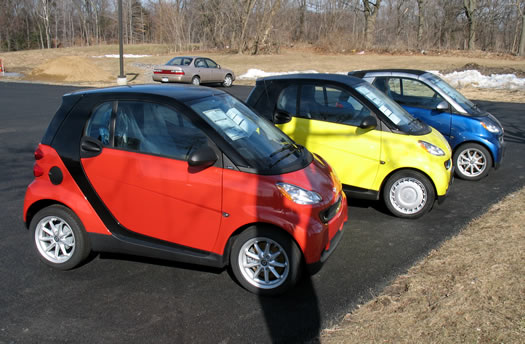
<point x="415" y="119"/>
<point x="287" y="146"/>
<point x="281" y="159"/>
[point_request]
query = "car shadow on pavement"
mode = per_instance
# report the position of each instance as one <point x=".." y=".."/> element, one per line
<point x="293" y="317"/>
<point x="154" y="261"/>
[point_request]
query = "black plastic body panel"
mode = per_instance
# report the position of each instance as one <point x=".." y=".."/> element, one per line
<point x="137" y="247"/>
<point x="68" y="102"/>
<point x="355" y="192"/>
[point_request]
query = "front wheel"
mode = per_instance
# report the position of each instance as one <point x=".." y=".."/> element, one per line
<point x="196" y="80"/>
<point x="408" y="194"/>
<point x="265" y="261"/>
<point x="228" y="81"/>
<point x="472" y="161"/>
<point x="59" y="237"/>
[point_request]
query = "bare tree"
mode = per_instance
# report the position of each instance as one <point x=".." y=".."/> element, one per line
<point x="470" y="7"/>
<point x="420" y="21"/>
<point x="519" y="7"/>
<point x="299" y="29"/>
<point x="370" y="10"/>
<point x="247" y="8"/>
<point x="44" y="14"/>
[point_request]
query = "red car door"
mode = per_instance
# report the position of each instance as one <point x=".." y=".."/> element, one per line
<point x="143" y="178"/>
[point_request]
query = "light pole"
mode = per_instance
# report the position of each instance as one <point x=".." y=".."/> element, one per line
<point x="121" y="80"/>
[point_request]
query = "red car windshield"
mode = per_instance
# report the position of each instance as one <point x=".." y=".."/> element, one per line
<point x="260" y="143"/>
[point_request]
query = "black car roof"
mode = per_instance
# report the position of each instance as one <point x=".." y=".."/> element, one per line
<point x="181" y="93"/>
<point x="361" y="73"/>
<point x="345" y="79"/>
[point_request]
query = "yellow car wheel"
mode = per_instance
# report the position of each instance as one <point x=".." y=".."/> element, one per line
<point x="408" y="194"/>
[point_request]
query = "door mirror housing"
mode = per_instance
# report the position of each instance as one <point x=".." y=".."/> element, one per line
<point x="202" y="157"/>
<point x="369" y="122"/>
<point x="218" y="66"/>
<point x="281" y="117"/>
<point x="442" y="106"/>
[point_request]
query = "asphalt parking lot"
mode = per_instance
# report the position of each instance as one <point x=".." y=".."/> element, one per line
<point x="117" y="298"/>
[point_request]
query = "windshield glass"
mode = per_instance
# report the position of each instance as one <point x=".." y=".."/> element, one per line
<point x="261" y="144"/>
<point x="391" y="110"/>
<point x="466" y="104"/>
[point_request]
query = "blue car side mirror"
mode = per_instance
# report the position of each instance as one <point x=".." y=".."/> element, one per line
<point x="442" y="106"/>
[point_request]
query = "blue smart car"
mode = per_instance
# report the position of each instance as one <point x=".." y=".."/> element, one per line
<point x="476" y="136"/>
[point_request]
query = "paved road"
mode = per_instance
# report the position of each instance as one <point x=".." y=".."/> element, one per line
<point x="115" y="298"/>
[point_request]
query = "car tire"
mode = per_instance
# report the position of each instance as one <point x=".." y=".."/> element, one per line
<point x="265" y="260"/>
<point x="472" y="161"/>
<point x="228" y="81"/>
<point x="196" y="80"/>
<point x="408" y="194"/>
<point x="59" y="237"/>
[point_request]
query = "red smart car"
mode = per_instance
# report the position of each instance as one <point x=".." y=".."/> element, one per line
<point x="181" y="173"/>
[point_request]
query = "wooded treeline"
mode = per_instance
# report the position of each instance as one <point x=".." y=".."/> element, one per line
<point x="264" y="26"/>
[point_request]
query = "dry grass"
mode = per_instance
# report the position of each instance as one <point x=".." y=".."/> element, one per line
<point x="33" y="64"/>
<point x="470" y="290"/>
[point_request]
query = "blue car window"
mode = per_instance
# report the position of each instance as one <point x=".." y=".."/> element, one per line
<point x="462" y="101"/>
<point x="416" y="93"/>
<point x="98" y="125"/>
<point x="156" y="129"/>
<point x="393" y="86"/>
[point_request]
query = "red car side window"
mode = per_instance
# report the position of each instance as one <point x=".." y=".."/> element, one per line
<point x="157" y="129"/>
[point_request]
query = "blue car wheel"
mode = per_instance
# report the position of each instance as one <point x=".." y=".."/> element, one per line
<point x="472" y="161"/>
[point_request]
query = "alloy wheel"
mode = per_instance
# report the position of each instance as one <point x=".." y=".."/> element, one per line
<point x="263" y="263"/>
<point x="55" y="239"/>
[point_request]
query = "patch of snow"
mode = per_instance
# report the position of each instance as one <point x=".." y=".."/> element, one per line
<point x="475" y="79"/>
<point x="116" y="56"/>
<point x="254" y="73"/>
<point x="457" y="79"/>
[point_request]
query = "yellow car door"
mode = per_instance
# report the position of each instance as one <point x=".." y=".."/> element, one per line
<point x="327" y="123"/>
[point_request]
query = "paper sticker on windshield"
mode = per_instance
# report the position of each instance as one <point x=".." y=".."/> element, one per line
<point x="233" y="123"/>
<point x="379" y="103"/>
<point x="388" y="113"/>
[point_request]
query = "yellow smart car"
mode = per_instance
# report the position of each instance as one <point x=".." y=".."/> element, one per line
<point x="376" y="148"/>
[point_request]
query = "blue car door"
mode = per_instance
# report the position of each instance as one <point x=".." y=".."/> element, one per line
<point x="419" y="100"/>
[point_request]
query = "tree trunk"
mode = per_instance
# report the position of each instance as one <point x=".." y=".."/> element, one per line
<point x="521" y="50"/>
<point x="299" y="30"/>
<point x="470" y="7"/>
<point x="370" y="12"/>
<point x="248" y="7"/>
<point x="420" y="22"/>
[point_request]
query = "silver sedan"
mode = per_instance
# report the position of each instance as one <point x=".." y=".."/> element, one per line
<point x="193" y="69"/>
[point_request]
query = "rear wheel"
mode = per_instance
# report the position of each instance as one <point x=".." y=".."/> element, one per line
<point x="408" y="194"/>
<point x="472" y="161"/>
<point x="59" y="237"/>
<point x="265" y="261"/>
<point x="196" y="80"/>
<point x="228" y="81"/>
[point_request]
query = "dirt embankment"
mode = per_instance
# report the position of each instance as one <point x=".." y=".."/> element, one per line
<point x="72" y="69"/>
